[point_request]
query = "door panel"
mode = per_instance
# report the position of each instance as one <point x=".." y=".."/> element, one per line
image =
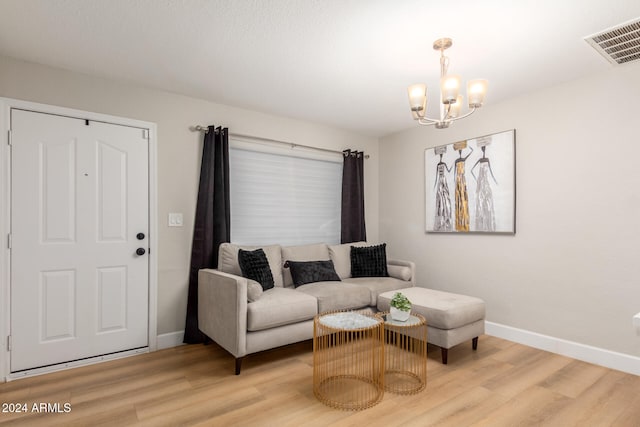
<point x="79" y="197"/>
<point x="111" y="193"/>
<point x="112" y="299"/>
<point x="57" y="305"/>
<point x="58" y="191"/>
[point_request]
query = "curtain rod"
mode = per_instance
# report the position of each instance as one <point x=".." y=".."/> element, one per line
<point x="205" y="129"/>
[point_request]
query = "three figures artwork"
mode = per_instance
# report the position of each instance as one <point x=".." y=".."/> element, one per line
<point x="484" y="204"/>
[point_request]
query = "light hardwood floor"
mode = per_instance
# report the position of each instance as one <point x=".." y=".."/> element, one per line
<point x="500" y="384"/>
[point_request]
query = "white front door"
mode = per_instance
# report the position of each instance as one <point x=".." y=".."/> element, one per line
<point x="79" y="213"/>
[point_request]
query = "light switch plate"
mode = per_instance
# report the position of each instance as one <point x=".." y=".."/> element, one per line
<point x="175" y="220"/>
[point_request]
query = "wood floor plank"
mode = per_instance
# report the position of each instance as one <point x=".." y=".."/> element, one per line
<point x="171" y="403"/>
<point x="630" y="416"/>
<point x="500" y="384"/>
<point x="530" y="408"/>
<point x="591" y="405"/>
<point x="574" y="379"/>
<point x="518" y="379"/>
<point x="469" y="409"/>
<point x="127" y="386"/>
<point x="119" y="417"/>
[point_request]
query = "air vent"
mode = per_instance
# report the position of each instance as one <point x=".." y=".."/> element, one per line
<point x="620" y="44"/>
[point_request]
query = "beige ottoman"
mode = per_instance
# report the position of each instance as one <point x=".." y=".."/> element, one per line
<point x="451" y="318"/>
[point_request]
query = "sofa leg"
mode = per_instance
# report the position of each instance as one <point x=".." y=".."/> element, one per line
<point x="445" y="353"/>
<point x="474" y="343"/>
<point x="238" y="364"/>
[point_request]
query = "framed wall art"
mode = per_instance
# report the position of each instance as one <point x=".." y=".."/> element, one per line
<point x="471" y="185"/>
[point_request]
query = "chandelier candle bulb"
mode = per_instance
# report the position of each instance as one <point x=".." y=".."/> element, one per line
<point x="476" y="89"/>
<point x="450" y="88"/>
<point x="454" y="109"/>
<point x="418" y="97"/>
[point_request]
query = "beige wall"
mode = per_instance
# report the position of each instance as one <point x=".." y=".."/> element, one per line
<point x="571" y="271"/>
<point x="179" y="152"/>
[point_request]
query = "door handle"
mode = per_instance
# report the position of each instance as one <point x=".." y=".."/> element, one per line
<point x="140" y="251"/>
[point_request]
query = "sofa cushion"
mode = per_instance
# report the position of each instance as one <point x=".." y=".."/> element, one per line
<point x="255" y="266"/>
<point x="280" y="306"/>
<point x="378" y="285"/>
<point x="228" y="260"/>
<point x="442" y="310"/>
<point x="341" y="257"/>
<point x="336" y="295"/>
<point x="304" y="272"/>
<point x="314" y="252"/>
<point x="369" y="261"/>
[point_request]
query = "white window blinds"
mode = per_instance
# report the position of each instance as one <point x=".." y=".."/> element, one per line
<point x="283" y="199"/>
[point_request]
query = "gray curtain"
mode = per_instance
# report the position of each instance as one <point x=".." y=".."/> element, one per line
<point x="353" y="227"/>
<point x="212" y="221"/>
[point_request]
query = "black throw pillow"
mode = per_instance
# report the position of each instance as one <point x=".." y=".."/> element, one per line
<point x="369" y="261"/>
<point x="255" y="266"/>
<point x="303" y="272"/>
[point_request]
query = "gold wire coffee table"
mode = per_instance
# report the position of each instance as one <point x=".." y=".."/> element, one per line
<point x="348" y="364"/>
<point x="405" y="355"/>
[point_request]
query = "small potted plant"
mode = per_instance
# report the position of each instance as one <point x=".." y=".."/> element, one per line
<point x="400" y="307"/>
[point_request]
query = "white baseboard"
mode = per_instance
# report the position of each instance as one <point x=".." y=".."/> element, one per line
<point x="586" y="353"/>
<point x="172" y="339"/>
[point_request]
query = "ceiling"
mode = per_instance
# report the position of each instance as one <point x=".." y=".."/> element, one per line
<point x="343" y="63"/>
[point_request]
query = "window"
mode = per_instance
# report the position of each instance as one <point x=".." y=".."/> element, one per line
<point x="283" y="196"/>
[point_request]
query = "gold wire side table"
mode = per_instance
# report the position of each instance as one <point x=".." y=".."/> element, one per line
<point x="348" y="364"/>
<point x="405" y="354"/>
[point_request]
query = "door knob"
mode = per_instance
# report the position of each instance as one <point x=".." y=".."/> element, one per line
<point x="140" y="236"/>
<point x="140" y="251"/>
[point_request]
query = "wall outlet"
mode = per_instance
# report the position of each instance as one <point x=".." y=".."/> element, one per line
<point x="636" y="323"/>
<point x="175" y="220"/>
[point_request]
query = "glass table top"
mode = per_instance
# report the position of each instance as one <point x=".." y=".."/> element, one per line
<point x="348" y="320"/>
<point x="411" y="321"/>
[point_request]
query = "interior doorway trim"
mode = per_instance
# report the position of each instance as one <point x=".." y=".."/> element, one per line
<point x="6" y="104"/>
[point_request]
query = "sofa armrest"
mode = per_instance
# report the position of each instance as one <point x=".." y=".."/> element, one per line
<point x="401" y="263"/>
<point x="222" y="309"/>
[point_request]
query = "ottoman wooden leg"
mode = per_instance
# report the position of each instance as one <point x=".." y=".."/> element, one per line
<point x="445" y="351"/>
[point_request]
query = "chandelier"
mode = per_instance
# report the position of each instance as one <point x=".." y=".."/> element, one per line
<point x="450" y="99"/>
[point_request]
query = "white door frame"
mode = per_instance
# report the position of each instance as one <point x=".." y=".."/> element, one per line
<point x="6" y="104"/>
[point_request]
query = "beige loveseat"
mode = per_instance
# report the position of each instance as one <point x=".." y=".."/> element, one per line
<point x="284" y="314"/>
